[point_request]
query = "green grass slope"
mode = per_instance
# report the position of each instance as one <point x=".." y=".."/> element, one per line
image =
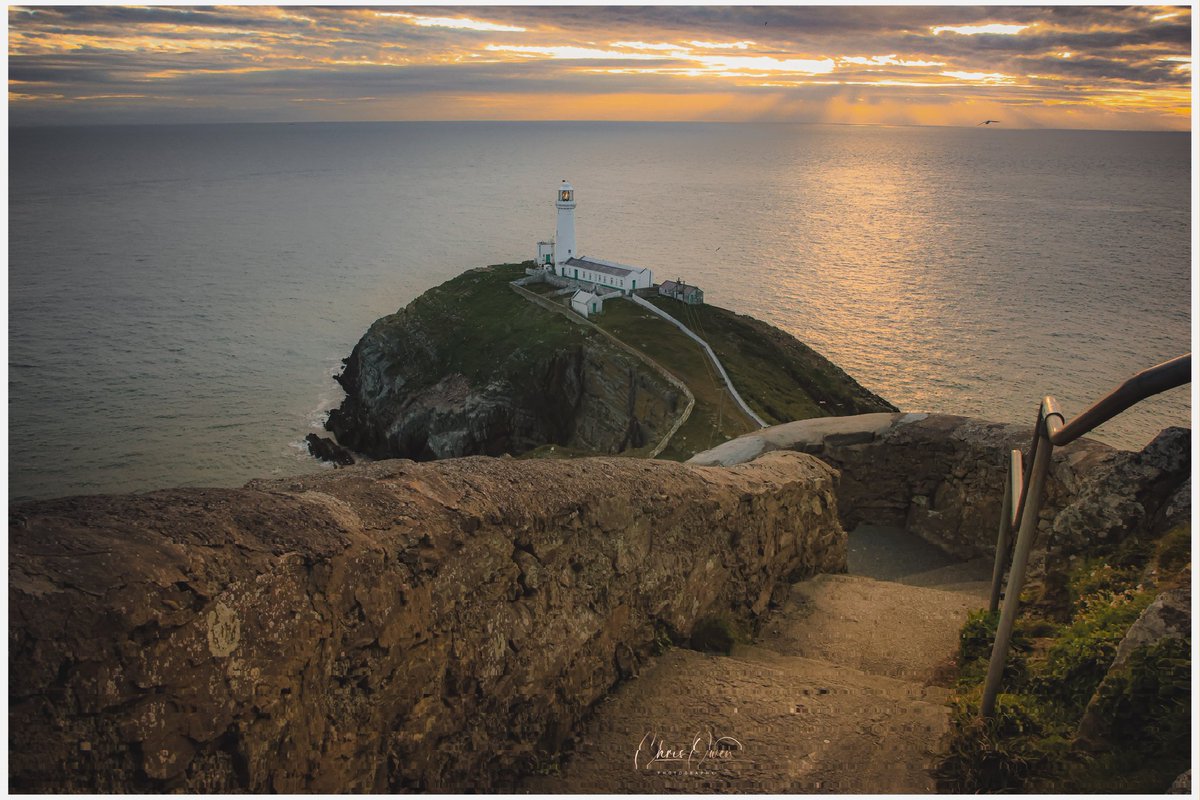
<point x="715" y="417"/>
<point x="779" y="376"/>
<point x="481" y="323"/>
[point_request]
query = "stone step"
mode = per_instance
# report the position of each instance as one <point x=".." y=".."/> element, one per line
<point x="977" y="590"/>
<point x="794" y="725"/>
<point x="881" y="627"/>
<point x="840" y="694"/>
<point x="976" y="573"/>
<point x="889" y="553"/>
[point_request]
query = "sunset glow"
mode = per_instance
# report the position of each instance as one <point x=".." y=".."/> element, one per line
<point x="975" y="30"/>
<point x="1100" y="67"/>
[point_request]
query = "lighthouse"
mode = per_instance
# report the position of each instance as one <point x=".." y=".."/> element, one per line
<point x="598" y="277"/>
<point x="564" y="237"/>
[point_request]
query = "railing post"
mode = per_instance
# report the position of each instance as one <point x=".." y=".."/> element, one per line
<point x="1013" y="486"/>
<point x="1016" y="576"/>
<point x="1001" y="543"/>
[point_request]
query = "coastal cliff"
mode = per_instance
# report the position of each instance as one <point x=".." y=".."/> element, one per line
<point x="472" y="368"/>
<point x="392" y="626"/>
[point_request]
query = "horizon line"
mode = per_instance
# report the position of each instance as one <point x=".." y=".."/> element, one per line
<point x="14" y="126"/>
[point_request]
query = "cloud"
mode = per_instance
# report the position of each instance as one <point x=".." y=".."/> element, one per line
<point x="993" y="28"/>
<point x="454" y="23"/>
<point x="118" y="63"/>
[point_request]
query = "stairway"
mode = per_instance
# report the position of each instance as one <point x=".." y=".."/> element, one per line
<point x="844" y="691"/>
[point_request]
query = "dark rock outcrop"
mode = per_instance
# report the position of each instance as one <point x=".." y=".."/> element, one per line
<point x="391" y="626"/>
<point x="591" y="397"/>
<point x="326" y="449"/>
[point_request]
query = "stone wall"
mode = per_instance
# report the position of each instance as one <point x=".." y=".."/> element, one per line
<point x="942" y="477"/>
<point x="393" y="626"/>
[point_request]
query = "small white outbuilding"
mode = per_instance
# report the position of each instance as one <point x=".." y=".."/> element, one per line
<point x="585" y="303"/>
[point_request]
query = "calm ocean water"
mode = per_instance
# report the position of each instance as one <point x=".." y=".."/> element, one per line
<point x="180" y="296"/>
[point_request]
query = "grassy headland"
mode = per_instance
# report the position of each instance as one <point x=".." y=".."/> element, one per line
<point x="471" y="366"/>
<point x="779" y="376"/>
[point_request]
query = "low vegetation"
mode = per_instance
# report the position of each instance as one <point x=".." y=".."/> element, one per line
<point x="486" y="323"/>
<point x="1063" y="646"/>
<point x="715" y="417"/>
<point x="779" y="376"/>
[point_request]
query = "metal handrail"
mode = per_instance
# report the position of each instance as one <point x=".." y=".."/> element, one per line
<point x="1026" y="483"/>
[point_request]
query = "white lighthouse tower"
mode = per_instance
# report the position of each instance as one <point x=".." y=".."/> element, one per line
<point x="564" y="237"/>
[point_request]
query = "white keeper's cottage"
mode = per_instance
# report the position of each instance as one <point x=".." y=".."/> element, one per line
<point x="585" y="303"/>
<point x="596" y="276"/>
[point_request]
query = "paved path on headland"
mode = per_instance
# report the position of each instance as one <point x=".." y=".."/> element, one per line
<point x="708" y="351"/>
<point x="845" y="690"/>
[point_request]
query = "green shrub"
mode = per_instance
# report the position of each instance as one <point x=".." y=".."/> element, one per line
<point x="1054" y="670"/>
<point x="1019" y="743"/>
<point x="977" y="634"/>
<point x="975" y="642"/>
<point x="1174" y="549"/>
<point x="1097" y="581"/>
<point x="1082" y="653"/>
<point x="1148" y="701"/>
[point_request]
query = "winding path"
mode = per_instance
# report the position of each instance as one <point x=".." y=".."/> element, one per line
<point x="708" y="351"/>
<point x="666" y="374"/>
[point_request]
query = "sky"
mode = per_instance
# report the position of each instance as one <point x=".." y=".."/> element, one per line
<point x="1027" y="67"/>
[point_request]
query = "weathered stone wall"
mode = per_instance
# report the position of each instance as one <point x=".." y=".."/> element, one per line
<point x="394" y="626"/>
<point x="942" y="477"/>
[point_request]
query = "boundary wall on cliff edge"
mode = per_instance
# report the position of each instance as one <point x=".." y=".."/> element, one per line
<point x="708" y="351"/>
<point x="384" y="627"/>
<point x="558" y="308"/>
<point x="941" y="477"/>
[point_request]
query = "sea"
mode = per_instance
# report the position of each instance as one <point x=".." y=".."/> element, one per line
<point x="180" y="297"/>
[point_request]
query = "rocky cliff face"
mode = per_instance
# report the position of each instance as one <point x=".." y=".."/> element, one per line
<point x="470" y="368"/>
<point x="394" y="626"/>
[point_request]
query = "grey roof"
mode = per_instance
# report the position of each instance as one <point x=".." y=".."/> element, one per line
<point x="584" y="263"/>
<point x="675" y="286"/>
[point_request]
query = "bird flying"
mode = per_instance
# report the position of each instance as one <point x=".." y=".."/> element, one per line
<point x="987" y="122"/>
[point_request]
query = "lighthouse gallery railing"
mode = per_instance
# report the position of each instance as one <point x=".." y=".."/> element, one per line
<point x="1026" y="483"/>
